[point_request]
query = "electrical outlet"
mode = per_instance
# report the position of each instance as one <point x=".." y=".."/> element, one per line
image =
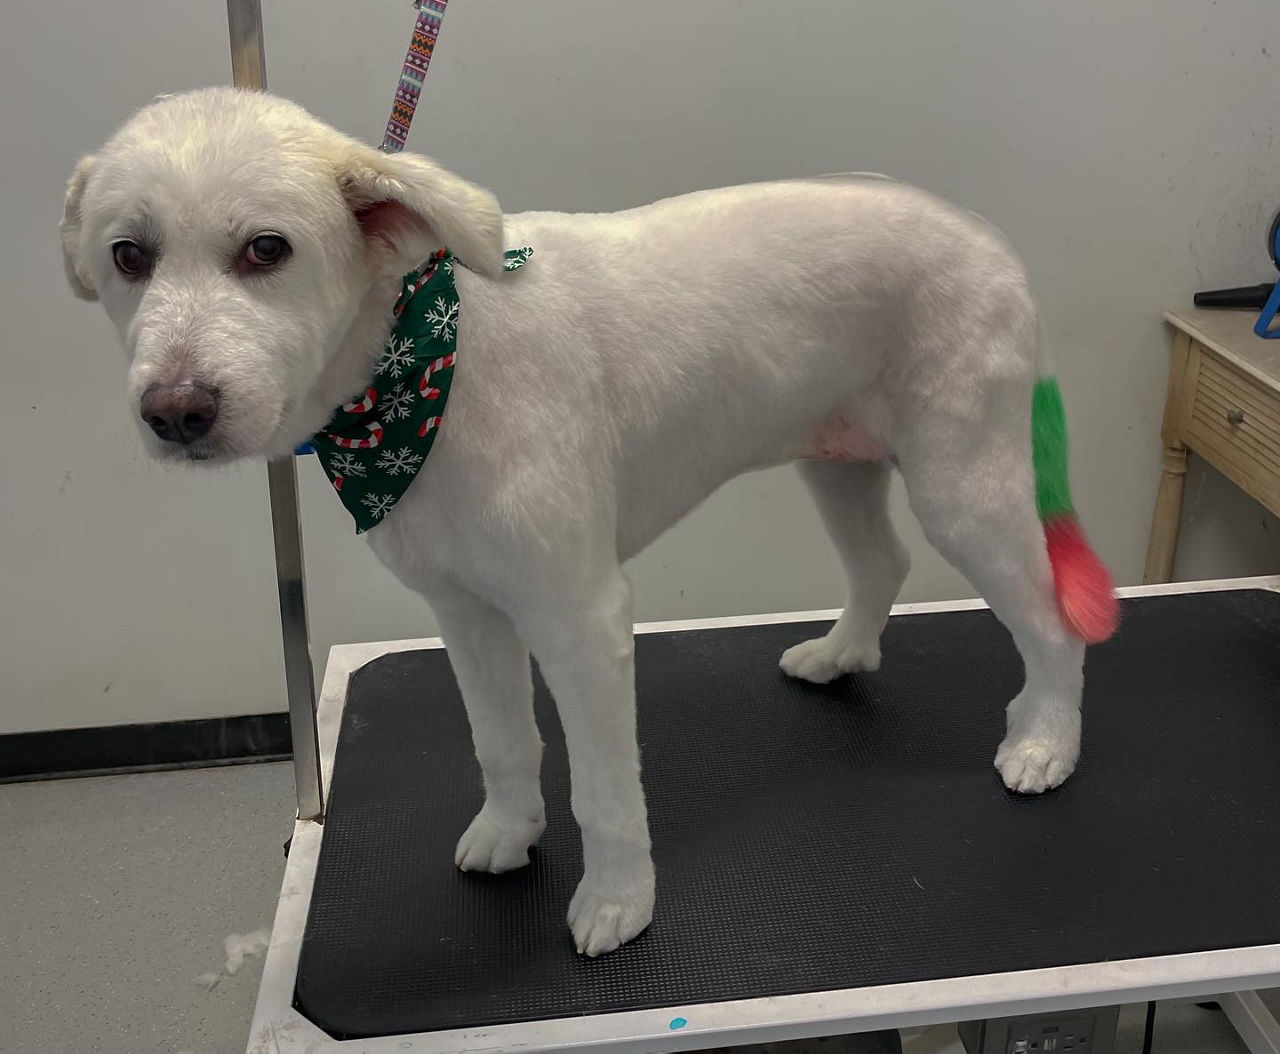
<point x="1070" y="1032"/>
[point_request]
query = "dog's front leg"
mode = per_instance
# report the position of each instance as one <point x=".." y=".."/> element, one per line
<point x="582" y="639"/>
<point x="491" y="666"/>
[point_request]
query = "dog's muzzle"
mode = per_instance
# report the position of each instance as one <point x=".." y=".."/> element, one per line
<point x="179" y="413"/>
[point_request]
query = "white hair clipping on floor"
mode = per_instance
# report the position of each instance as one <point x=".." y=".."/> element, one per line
<point x="240" y="948"/>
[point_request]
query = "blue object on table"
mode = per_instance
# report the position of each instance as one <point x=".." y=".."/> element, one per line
<point x="303" y="449"/>
<point x="1263" y="327"/>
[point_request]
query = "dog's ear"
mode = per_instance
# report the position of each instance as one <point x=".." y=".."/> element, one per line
<point x="69" y="228"/>
<point x="408" y="206"/>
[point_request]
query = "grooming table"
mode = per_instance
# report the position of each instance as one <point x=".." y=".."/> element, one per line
<point x="829" y="860"/>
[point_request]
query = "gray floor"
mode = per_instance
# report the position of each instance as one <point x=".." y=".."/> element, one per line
<point x="117" y="892"/>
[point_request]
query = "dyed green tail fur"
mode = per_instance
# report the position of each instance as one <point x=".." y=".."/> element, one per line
<point x="1086" y="598"/>
<point x="1049" y="451"/>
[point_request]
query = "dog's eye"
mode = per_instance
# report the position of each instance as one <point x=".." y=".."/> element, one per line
<point x="266" y="250"/>
<point x="132" y="260"/>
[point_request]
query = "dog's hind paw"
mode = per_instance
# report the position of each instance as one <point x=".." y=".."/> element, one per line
<point x="823" y="659"/>
<point x="601" y="923"/>
<point x="1030" y="765"/>
<point x="495" y="846"/>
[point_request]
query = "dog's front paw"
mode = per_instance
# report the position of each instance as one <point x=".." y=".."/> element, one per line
<point x="602" y="921"/>
<point x="1030" y="764"/>
<point x="823" y="659"/>
<point x="495" y="845"/>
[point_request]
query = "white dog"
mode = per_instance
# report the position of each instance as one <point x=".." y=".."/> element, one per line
<point x="250" y="255"/>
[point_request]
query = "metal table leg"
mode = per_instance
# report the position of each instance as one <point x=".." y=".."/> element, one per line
<point x="1253" y="1021"/>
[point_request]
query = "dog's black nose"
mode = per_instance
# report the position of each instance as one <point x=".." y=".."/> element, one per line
<point x="180" y="413"/>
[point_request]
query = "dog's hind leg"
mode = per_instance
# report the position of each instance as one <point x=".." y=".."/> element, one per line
<point x="491" y="666"/>
<point x="852" y="498"/>
<point x="968" y="470"/>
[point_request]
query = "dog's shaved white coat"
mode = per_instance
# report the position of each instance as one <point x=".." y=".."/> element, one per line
<point x="640" y="360"/>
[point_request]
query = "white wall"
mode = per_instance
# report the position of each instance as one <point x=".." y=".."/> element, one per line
<point x="1127" y="149"/>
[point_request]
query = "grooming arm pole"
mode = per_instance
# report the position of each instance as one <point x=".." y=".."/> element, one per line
<point x="249" y="70"/>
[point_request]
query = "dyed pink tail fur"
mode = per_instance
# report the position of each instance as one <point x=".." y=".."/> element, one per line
<point x="1081" y="582"/>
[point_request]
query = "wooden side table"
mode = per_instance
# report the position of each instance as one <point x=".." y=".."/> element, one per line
<point x="1224" y="406"/>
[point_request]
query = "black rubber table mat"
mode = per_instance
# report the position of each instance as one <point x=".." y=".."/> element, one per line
<point x="815" y="838"/>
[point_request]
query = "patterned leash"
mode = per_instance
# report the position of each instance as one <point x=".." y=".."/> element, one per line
<point x="414" y="72"/>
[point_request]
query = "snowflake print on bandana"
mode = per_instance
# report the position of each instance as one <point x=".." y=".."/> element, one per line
<point x="516" y="258"/>
<point x="346" y="465"/>
<point x="398" y="403"/>
<point x="376" y="444"/>
<point x="393" y="462"/>
<point x="444" y="319"/>
<point x="397" y="357"/>
<point x="379" y="504"/>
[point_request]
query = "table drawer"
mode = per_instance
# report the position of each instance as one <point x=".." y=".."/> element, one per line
<point x="1235" y="423"/>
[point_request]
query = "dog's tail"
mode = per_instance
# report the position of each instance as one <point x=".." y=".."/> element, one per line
<point x="1082" y="583"/>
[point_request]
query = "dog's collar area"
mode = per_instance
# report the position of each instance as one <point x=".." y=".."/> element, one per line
<point x="374" y="446"/>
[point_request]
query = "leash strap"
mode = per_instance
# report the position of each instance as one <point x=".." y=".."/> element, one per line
<point x="414" y="72"/>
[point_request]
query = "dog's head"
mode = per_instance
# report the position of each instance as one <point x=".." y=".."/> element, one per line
<point x="233" y="239"/>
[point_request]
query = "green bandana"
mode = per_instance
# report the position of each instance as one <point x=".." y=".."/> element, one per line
<point x="376" y="444"/>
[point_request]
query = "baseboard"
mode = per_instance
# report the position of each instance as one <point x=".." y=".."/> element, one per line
<point x="209" y="741"/>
